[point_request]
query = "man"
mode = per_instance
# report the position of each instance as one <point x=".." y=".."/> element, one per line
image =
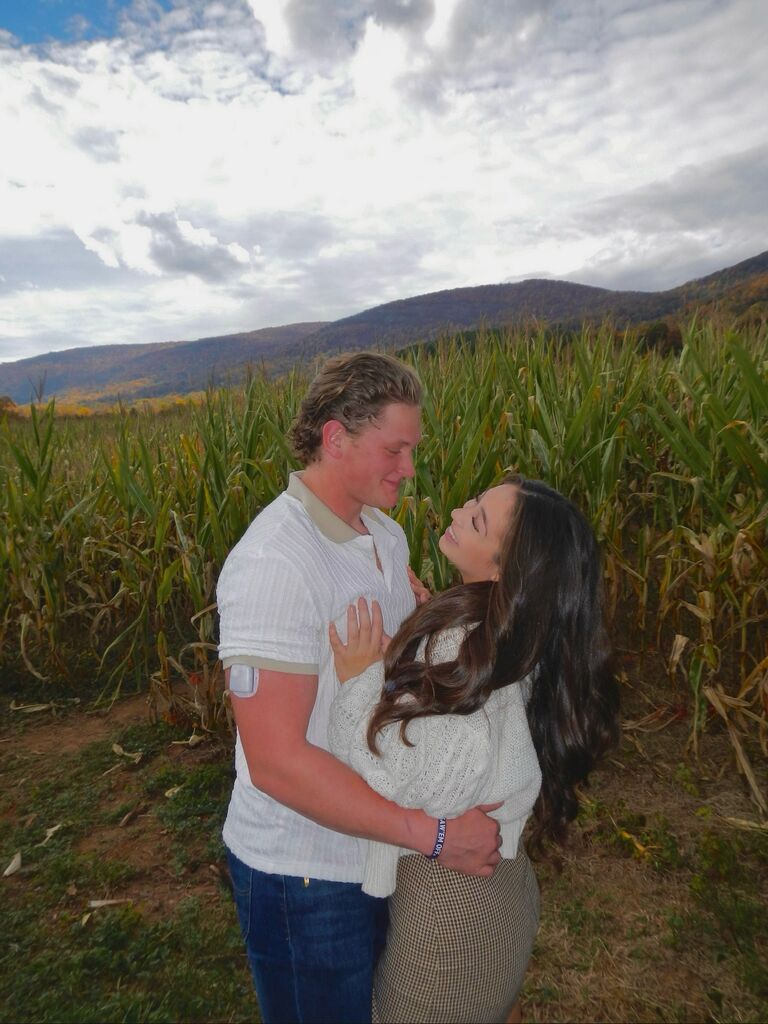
<point x="296" y="812"/>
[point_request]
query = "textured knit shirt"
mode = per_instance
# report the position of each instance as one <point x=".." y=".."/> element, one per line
<point x="456" y="761"/>
<point x="296" y="569"/>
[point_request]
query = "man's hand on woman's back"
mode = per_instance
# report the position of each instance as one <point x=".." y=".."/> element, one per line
<point x="472" y="842"/>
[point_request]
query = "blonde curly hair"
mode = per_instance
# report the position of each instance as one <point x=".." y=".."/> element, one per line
<point x="352" y="388"/>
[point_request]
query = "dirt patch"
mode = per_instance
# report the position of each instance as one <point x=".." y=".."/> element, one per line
<point x="62" y="731"/>
<point x="156" y="884"/>
<point x="124" y="829"/>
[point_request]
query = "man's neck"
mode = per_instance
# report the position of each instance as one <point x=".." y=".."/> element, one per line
<point x="330" y="490"/>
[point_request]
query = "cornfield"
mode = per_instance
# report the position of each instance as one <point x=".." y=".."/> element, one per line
<point x="112" y="530"/>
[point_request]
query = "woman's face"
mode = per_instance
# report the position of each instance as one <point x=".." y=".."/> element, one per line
<point x="473" y="540"/>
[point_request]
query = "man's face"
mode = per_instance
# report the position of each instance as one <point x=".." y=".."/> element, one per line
<point x="380" y="457"/>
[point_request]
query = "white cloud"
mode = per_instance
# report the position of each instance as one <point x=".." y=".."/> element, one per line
<point x="246" y="163"/>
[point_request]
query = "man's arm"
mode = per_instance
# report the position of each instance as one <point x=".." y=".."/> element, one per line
<point x="272" y="725"/>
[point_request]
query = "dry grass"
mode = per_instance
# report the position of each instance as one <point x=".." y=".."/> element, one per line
<point x="659" y="913"/>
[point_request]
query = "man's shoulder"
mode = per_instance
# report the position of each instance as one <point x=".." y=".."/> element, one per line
<point x="278" y="531"/>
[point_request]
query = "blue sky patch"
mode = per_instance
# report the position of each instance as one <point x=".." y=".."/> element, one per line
<point x="39" y="21"/>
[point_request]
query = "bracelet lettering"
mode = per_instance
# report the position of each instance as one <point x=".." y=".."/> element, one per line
<point x="439" y="841"/>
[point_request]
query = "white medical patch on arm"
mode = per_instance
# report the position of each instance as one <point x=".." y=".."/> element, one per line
<point x="243" y="680"/>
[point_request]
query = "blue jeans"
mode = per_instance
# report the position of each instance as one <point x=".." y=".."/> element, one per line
<point x="312" y="948"/>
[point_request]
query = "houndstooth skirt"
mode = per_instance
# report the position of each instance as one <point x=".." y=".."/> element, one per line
<point x="457" y="946"/>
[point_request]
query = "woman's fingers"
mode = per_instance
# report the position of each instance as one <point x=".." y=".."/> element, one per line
<point x="377" y="624"/>
<point x="420" y="592"/>
<point x="353" y="629"/>
<point x="365" y="628"/>
<point x="334" y="639"/>
<point x="364" y="617"/>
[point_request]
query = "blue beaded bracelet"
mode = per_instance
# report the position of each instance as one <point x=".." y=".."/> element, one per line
<point x="439" y="842"/>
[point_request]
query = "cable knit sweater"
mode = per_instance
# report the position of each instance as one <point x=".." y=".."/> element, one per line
<point x="456" y="761"/>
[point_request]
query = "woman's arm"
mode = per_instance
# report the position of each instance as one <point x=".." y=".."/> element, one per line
<point x="444" y="771"/>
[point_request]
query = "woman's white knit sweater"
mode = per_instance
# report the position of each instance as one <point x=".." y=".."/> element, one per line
<point x="456" y="761"/>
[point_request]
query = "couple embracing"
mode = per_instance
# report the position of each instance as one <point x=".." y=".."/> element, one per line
<point x="393" y="744"/>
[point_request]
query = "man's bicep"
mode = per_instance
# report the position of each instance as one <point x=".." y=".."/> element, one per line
<point x="274" y="720"/>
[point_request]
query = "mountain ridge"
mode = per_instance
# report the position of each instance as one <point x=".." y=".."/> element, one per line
<point x="141" y="370"/>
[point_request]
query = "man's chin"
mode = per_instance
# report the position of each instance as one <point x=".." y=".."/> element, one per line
<point x="390" y="496"/>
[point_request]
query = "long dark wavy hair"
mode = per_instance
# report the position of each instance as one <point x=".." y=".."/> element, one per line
<point x="543" y="617"/>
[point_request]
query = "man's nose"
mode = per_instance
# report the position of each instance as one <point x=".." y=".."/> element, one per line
<point x="406" y="467"/>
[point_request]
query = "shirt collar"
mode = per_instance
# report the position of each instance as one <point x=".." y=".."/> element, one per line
<point x="327" y="522"/>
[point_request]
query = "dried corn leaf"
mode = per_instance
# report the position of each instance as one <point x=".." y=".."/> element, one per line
<point x="678" y="646"/>
<point x="715" y="699"/>
<point x="135" y="757"/>
<point x="126" y="818"/>
<point x="194" y="739"/>
<point x="745" y="824"/>
<point x="14" y="866"/>
<point x="700" y="613"/>
<point x="758" y="675"/>
<point x="29" y="709"/>
<point x="51" y="832"/>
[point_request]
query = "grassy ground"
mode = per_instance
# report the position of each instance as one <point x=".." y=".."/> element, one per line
<point x="659" y="912"/>
<point x="140" y="831"/>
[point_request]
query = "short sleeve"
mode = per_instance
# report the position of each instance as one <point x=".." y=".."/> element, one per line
<point x="267" y="614"/>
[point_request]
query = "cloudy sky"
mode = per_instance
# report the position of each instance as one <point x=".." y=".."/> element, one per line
<point x="184" y="168"/>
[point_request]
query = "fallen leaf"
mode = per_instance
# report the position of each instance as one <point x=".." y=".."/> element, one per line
<point x="97" y="904"/>
<point x="173" y="790"/>
<point x="194" y="739"/>
<point x="135" y="757"/>
<point x="14" y="866"/>
<point x="51" y="832"/>
<point x="28" y="709"/>
<point x="85" y="918"/>
<point x="749" y="826"/>
<point x="130" y="815"/>
<point x="52" y="705"/>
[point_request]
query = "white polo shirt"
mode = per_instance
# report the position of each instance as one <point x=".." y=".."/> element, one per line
<point x="297" y="568"/>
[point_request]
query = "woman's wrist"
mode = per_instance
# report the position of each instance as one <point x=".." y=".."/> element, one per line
<point x="353" y="671"/>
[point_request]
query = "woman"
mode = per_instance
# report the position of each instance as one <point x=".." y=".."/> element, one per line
<point x="500" y="689"/>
